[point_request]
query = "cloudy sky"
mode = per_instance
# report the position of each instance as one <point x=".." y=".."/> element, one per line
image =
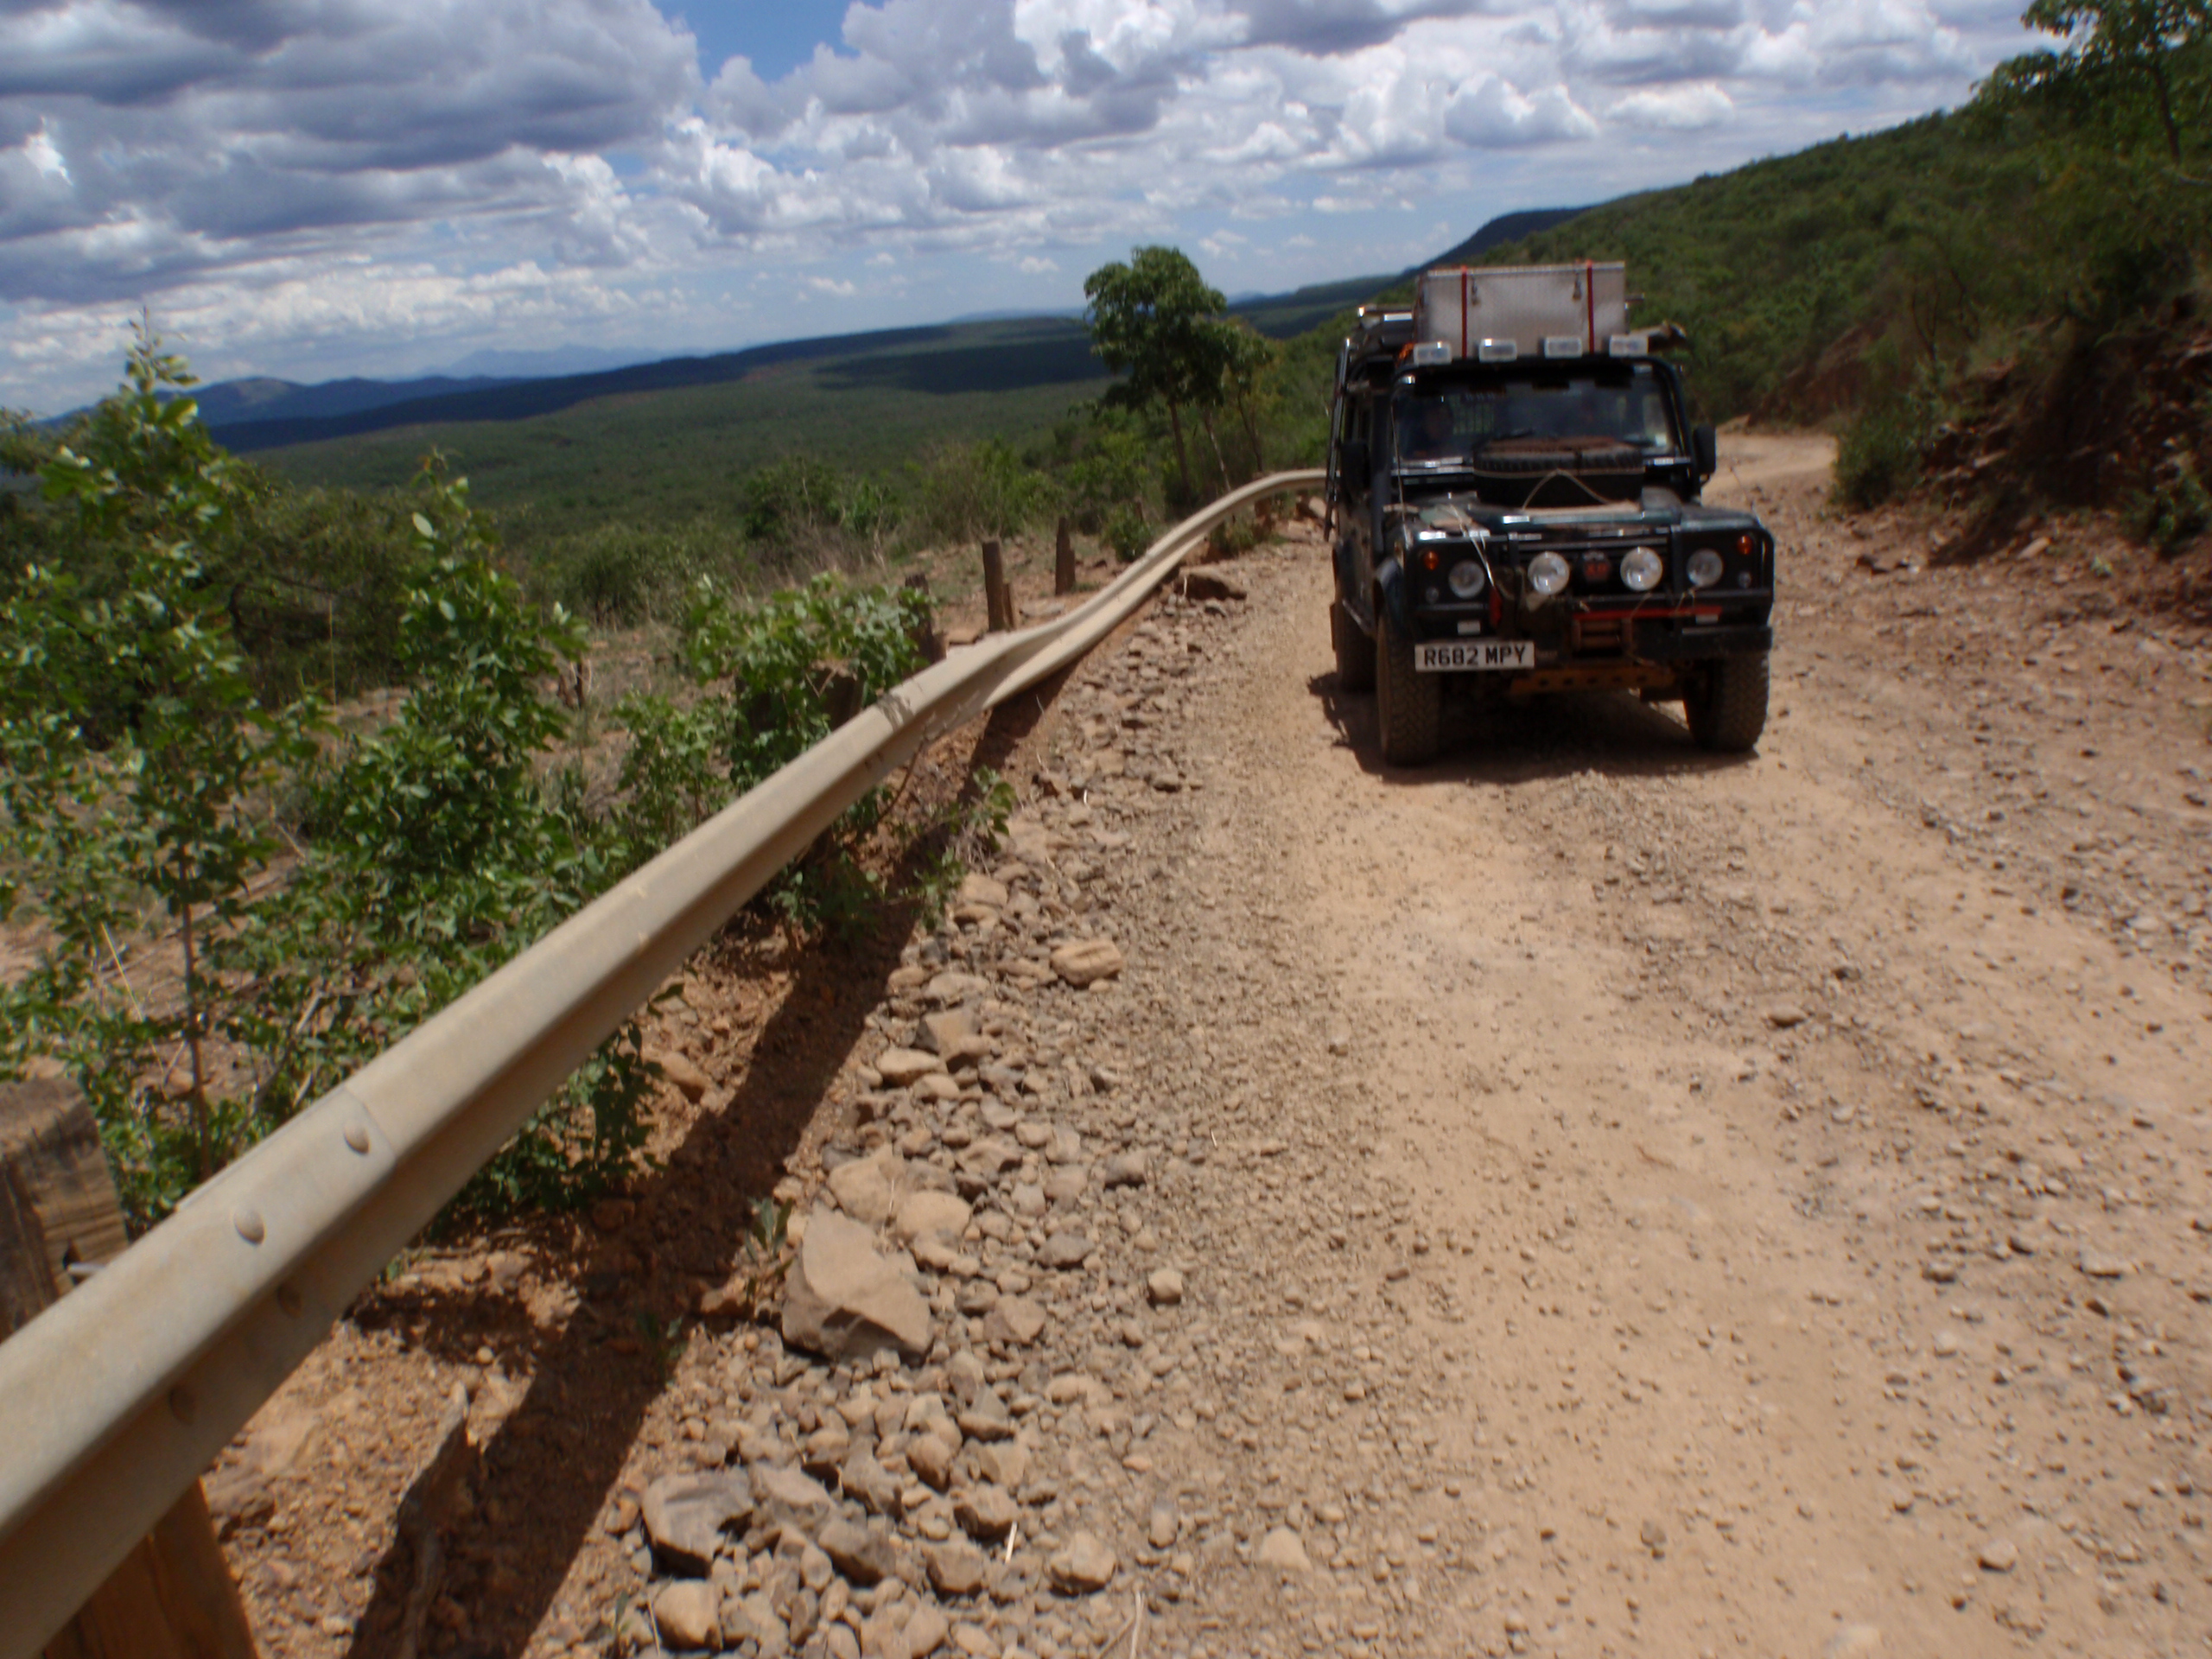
<point x="312" y="188"/>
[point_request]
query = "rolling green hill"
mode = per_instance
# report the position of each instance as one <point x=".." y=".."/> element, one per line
<point x="657" y="454"/>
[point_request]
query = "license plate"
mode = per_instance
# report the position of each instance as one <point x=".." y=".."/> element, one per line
<point x="1451" y="655"/>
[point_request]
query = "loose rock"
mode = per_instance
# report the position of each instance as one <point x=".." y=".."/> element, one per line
<point x="686" y="1515"/>
<point x="1083" y="1565"/>
<point x="1084" y="962"/>
<point x="903" y="1066"/>
<point x="984" y="1512"/>
<point x="1285" y="1551"/>
<point x="688" y="1615"/>
<point x="843" y="1300"/>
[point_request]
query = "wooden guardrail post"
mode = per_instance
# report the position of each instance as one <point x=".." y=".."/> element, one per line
<point x="173" y="1596"/>
<point x="1062" y="559"/>
<point x="998" y="602"/>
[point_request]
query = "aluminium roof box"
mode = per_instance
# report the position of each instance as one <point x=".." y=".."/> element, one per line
<point x="1502" y="312"/>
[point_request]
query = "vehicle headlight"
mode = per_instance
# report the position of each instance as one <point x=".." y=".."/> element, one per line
<point x="1547" y="574"/>
<point x="1468" y="578"/>
<point x="1704" y="567"/>
<point x="1640" y="570"/>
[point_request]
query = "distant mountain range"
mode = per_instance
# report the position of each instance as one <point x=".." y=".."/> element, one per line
<point x="265" y="413"/>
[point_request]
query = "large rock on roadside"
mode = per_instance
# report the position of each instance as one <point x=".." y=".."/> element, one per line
<point x="684" y="1515"/>
<point x="239" y="1498"/>
<point x="1285" y="1551"/>
<point x="1016" y="1319"/>
<point x="867" y="1479"/>
<point x="924" y="1213"/>
<point x="844" y="1302"/>
<point x="956" y="1568"/>
<point x="1080" y="962"/>
<point x="869" y="1188"/>
<point x="900" y="1066"/>
<point x="688" y="1615"/>
<point x="985" y="1512"/>
<point x="954" y="1036"/>
<point x="1065" y="1251"/>
<point x="1082" y="1565"/>
<point x="930" y="1456"/>
<point x="977" y="888"/>
<point x="786" y="1496"/>
<point x="864" y="1555"/>
<point x="925" y="1631"/>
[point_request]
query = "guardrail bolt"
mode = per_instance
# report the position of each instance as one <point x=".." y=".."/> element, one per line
<point x="290" y="1299"/>
<point x="250" y="1225"/>
<point x="183" y="1405"/>
<point x="357" y="1137"/>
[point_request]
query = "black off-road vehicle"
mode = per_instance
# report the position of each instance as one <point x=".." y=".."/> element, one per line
<point x="1514" y="495"/>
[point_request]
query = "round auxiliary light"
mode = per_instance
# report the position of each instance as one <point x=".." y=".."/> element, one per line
<point x="1640" y="570"/>
<point x="1705" y="567"/>
<point x="1547" y="574"/>
<point x="1468" y="578"/>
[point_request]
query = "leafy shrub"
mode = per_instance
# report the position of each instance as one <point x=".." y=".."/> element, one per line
<point x="1127" y="533"/>
<point x="1877" y="457"/>
<point x="797" y="662"/>
<point x="675" y="774"/>
<point x="784" y="672"/>
<point x="2176" y="506"/>
<point x="141" y="770"/>
<point x="800" y="506"/>
<point x="968" y="492"/>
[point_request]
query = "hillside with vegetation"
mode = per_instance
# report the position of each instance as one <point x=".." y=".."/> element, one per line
<point x="2001" y="307"/>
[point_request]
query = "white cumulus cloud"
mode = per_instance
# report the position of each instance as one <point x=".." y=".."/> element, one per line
<point x="285" y="175"/>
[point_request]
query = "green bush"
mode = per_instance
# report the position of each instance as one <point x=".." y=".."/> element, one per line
<point x="970" y="491"/>
<point x="793" y="665"/>
<point x="143" y="764"/>
<point x="675" y="774"/>
<point x="1878" y="456"/>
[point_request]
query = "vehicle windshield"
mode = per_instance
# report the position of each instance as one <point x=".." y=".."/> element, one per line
<point x="1609" y="405"/>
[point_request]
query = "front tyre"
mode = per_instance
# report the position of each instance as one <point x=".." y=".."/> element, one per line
<point x="1355" y="651"/>
<point x="1408" y="705"/>
<point x="1727" y="705"/>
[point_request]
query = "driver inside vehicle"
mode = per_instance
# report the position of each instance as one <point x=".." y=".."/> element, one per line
<point x="1429" y="436"/>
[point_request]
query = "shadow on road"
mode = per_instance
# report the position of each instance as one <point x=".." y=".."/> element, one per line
<point x="547" y="1470"/>
<point x="1614" y="733"/>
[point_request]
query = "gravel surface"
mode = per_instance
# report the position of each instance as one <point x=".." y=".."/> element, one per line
<point x="1583" y="1198"/>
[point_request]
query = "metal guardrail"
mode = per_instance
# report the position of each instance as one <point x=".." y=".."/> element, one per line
<point x="115" y="1400"/>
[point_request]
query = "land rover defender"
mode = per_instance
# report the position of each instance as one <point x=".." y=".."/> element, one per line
<point x="1513" y="493"/>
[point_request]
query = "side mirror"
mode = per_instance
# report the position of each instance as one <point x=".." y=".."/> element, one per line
<point x="1705" y="446"/>
<point x="1354" y="465"/>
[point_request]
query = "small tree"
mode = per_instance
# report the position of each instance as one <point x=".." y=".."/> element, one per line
<point x="134" y="758"/>
<point x="1155" y="320"/>
<point x="1245" y="357"/>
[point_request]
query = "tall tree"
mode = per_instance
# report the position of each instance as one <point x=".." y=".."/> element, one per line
<point x="2127" y="39"/>
<point x="1152" y="320"/>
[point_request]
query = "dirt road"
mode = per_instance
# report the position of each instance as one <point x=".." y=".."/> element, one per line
<point x="1582" y="1198"/>
<point x="1810" y="1189"/>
